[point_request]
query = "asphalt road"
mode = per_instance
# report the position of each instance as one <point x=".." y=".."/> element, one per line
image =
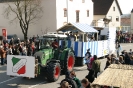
<point x="40" y="82"/>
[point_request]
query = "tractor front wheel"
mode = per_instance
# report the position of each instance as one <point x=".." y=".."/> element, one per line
<point x="53" y="72"/>
<point x="69" y="63"/>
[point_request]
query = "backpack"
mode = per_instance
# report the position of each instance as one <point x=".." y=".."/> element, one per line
<point x="71" y="82"/>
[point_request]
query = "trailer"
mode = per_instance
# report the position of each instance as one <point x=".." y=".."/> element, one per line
<point x="100" y="48"/>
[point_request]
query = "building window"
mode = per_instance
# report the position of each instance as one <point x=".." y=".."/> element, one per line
<point x="113" y="8"/>
<point x="65" y="12"/>
<point x="83" y="1"/>
<point x="117" y="18"/>
<point x="77" y="15"/>
<point x="87" y="13"/>
<point x="110" y="17"/>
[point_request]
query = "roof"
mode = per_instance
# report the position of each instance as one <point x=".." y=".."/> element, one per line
<point x="126" y="16"/>
<point x="117" y="76"/>
<point x="125" y="22"/>
<point x="101" y="7"/>
<point x="77" y="27"/>
<point x="55" y="35"/>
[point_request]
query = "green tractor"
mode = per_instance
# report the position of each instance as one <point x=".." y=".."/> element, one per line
<point x="51" y="62"/>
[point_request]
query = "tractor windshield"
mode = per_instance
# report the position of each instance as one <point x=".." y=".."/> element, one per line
<point x="44" y="43"/>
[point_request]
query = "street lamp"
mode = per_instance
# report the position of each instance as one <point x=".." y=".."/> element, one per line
<point x="67" y="9"/>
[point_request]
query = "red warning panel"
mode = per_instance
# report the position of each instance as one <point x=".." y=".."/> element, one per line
<point x="4" y="33"/>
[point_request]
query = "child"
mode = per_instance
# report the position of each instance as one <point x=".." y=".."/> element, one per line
<point x="131" y="52"/>
<point x="87" y="57"/>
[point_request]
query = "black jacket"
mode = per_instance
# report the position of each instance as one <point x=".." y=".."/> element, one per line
<point x="90" y="76"/>
<point x="89" y="86"/>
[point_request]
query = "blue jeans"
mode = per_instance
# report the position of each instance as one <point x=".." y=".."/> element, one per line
<point x="24" y="54"/>
<point x="2" y="61"/>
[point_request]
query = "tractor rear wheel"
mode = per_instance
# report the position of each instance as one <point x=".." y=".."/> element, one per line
<point x="69" y="62"/>
<point x="53" y="72"/>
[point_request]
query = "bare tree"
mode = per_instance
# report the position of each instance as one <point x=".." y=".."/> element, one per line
<point x="26" y="12"/>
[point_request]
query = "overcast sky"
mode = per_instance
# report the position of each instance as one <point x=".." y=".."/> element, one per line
<point x="126" y="6"/>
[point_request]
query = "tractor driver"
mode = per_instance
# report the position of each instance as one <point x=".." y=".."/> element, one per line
<point x="55" y="44"/>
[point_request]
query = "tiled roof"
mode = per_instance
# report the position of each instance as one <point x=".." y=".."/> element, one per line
<point x="101" y="7"/>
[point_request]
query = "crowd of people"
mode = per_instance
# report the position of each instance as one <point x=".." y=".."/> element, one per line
<point x="93" y="66"/>
<point x="76" y="36"/>
<point x="71" y="80"/>
<point x="16" y="48"/>
<point x="124" y="37"/>
<point x="124" y="58"/>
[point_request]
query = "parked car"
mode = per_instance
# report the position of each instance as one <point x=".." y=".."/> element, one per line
<point x="9" y="37"/>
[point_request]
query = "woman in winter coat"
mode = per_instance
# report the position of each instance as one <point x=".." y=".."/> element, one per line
<point x="91" y="76"/>
<point x="96" y="65"/>
<point x="90" y="64"/>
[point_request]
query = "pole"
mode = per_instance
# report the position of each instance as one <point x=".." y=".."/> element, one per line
<point x="67" y="9"/>
<point x="97" y="36"/>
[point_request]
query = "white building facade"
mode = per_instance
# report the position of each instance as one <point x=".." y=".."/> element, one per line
<point x="111" y="11"/>
<point x="115" y="15"/>
<point x="54" y="16"/>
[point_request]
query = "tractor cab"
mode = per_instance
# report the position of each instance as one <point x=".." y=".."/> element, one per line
<point x="46" y="40"/>
<point x="44" y="46"/>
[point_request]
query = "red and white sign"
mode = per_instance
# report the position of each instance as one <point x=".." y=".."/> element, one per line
<point x="4" y="33"/>
<point x="23" y="66"/>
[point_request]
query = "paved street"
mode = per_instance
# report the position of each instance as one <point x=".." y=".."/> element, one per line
<point x="40" y="82"/>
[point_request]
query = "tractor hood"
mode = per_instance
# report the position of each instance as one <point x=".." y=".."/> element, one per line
<point x="41" y="52"/>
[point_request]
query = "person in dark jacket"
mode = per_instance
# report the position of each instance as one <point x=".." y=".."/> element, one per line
<point x="113" y="56"/>
<point x="18" y="41"/>
<point x="86" y="83"/>
<point x="69" y="80"/>
<point x="29" y="50"/>
<point x="11" y="41"/>
<point x="20" y="49"/>
<point x="91" y="76"/>
<point x="73" y="76"/>
<point x="108" y="62"/>
<point x="130" y="52"/>
<point x="96" y="65"/>
<point x="123" y="55"/>
<point x="131" y="60"/>
<point x="13" y="49"/>
<point x="88" y="54"/>
<point x="16" y="52"/>
<point x="127" y="58"/>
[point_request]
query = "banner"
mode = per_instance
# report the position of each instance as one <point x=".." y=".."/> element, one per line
<point x="21" y="66"/>
<point x="4" y="34"/>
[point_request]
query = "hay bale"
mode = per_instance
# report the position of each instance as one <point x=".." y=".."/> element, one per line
<point x="116" y="75"/>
